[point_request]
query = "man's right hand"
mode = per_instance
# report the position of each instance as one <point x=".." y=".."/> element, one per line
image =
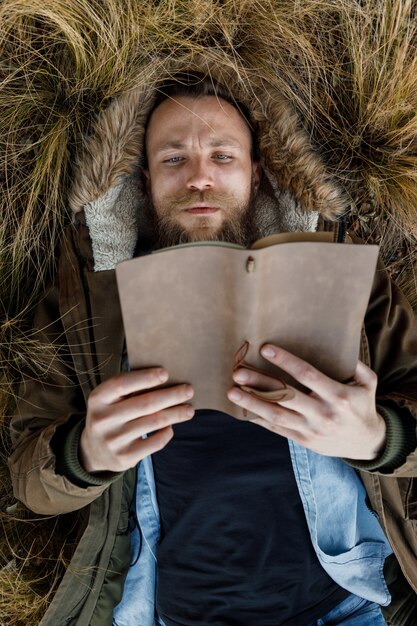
<point x="121" y="410"/>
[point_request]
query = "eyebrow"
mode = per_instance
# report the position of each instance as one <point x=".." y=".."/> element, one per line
<point x="214" y="143"/>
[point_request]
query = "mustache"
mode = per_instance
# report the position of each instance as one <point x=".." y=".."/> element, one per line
<point x="212" y="198"/>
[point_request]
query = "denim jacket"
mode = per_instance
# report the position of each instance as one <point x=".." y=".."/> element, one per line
<point x="345" y="533"/>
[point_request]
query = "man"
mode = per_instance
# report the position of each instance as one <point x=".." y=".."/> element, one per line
<point x="244" y="533"/>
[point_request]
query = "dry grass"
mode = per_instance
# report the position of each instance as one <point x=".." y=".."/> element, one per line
<point x="349" y="67"/>
<point x="32" y="562"/>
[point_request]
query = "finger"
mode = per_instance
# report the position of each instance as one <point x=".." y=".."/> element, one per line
<point x="145" y="404"/>
<point x="270" y="411"/>
<point x="305" y="404"/>
<point x="278" y="429"/>
<point x="141" y="448"/>
<point x="300" y="370"/>
<point x="151" y="423"/>
<point x="308" y="406"/>
<point x="127" y="383"/>
<point x="257" y="380"/>
<point x="277" y="395"/>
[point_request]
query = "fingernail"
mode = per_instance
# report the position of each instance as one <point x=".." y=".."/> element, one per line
<point x="234" y="394"/>
<point x="189" y="391"/>
<point x="241" y="376"/>
<point x="190" y="411"/>
<point x="163" y="375"/>
<point x="268" y="351"/>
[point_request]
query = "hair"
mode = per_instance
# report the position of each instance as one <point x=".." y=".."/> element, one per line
<point x="198" y="86"/>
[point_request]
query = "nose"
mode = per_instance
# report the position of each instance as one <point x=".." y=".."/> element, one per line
<point x="200" y="175"/>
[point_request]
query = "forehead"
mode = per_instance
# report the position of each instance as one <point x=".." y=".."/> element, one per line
<point x="210" y="119"/>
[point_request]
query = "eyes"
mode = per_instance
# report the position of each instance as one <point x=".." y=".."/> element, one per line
<point x="216" y="157"/>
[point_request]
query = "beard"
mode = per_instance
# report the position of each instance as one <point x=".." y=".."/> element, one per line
<point x="238" y="227"/>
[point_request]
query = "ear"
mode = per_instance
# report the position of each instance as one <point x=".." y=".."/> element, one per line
<point x="256" y="173"/>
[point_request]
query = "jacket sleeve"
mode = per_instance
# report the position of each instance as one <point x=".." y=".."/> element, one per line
<point x="46" y="403"/>
<point x="391" y="330"/>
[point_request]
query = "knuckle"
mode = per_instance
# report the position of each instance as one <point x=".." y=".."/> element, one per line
<point x="116" y="383"/>
<point x="94" y="399"/>
<point x="97" y="422"/>
<point x="343" y="400"/>
<point x="187" y="411"/>
<point x="148" y="375"/>
<point x="94" y="427"/>
<point x="328" y="421"/>
<point x="118" y="388"/>
<point x="274" y="428"/>
<point x="327" y="413"/>
<point x="320" y="429"/>
<point x="92" y="432"/>
<point x="306" y="374"/>
<point x="277" y="413"/>
<point x="184" y="391"/>
<point x="131" y="455"/>
<point x="159" y="419"/>
<point x="146" y="402"/>
<point x="111" y="446"/>
<point x="312" y="438"/>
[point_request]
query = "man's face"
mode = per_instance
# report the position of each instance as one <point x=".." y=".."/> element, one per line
<point x="200" y="176"/>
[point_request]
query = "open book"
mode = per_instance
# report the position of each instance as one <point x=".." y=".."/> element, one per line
<point x="199" y="309"/>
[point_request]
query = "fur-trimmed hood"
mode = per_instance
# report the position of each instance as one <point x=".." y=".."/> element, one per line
<point x="296" y="187"/>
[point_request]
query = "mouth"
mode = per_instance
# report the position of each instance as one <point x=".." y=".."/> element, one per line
<point x="201" y="210"/>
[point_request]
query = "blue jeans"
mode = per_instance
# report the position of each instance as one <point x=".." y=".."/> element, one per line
<point x="354" y="611"/>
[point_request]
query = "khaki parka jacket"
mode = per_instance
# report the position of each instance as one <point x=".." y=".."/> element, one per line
<point x="81" y="316"/>
<point x="94" y="581"/>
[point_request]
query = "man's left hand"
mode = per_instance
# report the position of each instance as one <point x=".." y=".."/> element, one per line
<point x="334" y="419"/>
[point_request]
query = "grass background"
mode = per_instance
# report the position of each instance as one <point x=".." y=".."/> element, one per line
<point x="349" y="67"/>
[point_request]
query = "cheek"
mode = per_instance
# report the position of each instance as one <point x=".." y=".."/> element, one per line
<point x="239" y="183"/>
<point x="163" y="186"/>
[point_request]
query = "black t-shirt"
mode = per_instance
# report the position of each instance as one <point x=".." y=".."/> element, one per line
<point x="235" y="548"/>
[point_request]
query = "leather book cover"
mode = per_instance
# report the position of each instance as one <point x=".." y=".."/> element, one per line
<point x="196" y="309"/>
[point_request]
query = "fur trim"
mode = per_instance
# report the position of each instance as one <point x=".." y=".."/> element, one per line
<point x="293" y="163"/>
<point x="278" y="212"/>
<point x="113" y="151"/>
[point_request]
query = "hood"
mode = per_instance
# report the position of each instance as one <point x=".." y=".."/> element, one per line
<point x="295" y="189"/>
